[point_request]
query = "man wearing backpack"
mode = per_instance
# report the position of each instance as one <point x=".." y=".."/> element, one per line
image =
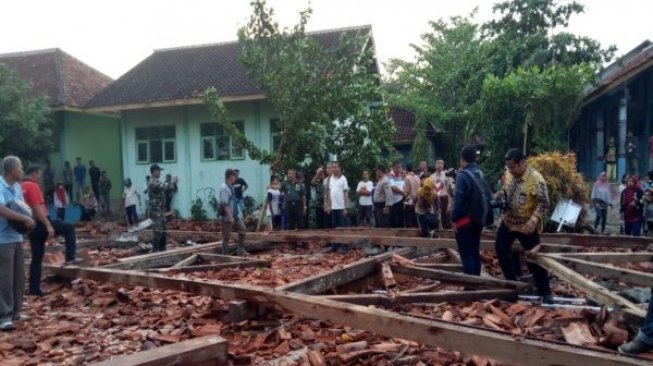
<point x="470" y="212"/>
<point x="527" y="201"/>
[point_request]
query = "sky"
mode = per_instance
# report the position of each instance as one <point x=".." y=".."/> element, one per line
<point x="113" y="36"/>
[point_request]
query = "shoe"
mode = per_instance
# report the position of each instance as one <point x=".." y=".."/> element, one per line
<point x="548" y="299"/>
<point x="635" y="347"/>
<point x="74" y="262"/>
<point x="242" y="252"/>
<point x="22" y="318"/>
<point x="38" y="293"/>
<point x="333" y="248"/>
<point x="7" y="325"/>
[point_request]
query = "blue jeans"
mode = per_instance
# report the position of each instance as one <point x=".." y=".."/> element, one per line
<point x="469" y="243"/>
<point x="427" y="223"/>
<point x="633" y="228"/>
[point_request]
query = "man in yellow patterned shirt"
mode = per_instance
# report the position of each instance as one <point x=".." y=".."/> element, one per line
<point x="527" y="202"/>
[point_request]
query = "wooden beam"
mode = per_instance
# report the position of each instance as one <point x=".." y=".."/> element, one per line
<point x="593" y="290"/>
<point x="458" y="277"/>
<point x="501" y="346"/>
<point x="209" y="350"/>
<point x="321" y="283"/>
<point x="451" y="267"/>
<point x="186" y="262"/>
<point x="403" y="298"/>
<point x="612" y="257"/>
<point x="212" y="267"/>
<point x="630" y="276"/>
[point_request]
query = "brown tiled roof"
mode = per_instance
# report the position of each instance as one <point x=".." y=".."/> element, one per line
<point x="405" y="126"/>
<point x="186" y="72"/>
<point x="65" y="80"/>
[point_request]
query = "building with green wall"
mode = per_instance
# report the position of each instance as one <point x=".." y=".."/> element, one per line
<point x="164" y="119"/>
<point x="69" y="84"/>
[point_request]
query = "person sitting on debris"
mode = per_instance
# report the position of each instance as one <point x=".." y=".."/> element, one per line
<point x="89" y="204"/>
<point x="45" y="228"/>
<point x="526" y="204"/>
<point x="643" y="341"/>
<point x="631" y="207"/>
<point x="231" y="215"/>
<point x="131" y="197"/>
<point x="471" y="209"/>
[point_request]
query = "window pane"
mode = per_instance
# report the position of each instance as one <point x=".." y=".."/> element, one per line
<point x="274" y="125"/>
<point x="208" y="148"/>
<point x="141" y="152"/>
<point x="168" y="132"/>
<point x="208" y="129"/>
<point x="156" y="151"/>
<point x="237" y="150"/>
<point x="276" y="138"/>
<point x="222" y="147"/>
<point x="169" y="151"/>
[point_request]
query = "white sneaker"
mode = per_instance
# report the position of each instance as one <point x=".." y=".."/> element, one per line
<point x="7" y="325"/>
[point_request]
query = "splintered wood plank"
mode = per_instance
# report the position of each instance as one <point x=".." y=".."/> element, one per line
<point x="611" y="257"/>
<point x="590" y="288"/>
<point x="403" y="298"/>
<point x="213" y="267"/>
<point x="323" y="282"/>
<point x="501" y="346"/>
<point x="458" y="277"/>
<point x="186" y="262"/>
<point x="209" y="350"/>
<point x="630" y="276"/>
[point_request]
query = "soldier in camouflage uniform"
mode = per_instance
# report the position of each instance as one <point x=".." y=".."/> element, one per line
<point x="156" y="193"/>
<point x="294" y="200"/>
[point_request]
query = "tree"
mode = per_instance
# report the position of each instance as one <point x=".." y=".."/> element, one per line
<point x="327" y="99"/>
<point x="25" y="128"/>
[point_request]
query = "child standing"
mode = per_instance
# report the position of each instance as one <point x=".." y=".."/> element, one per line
<point x="364" y="190"/>
<point x="89" y="204"/>
<point x="61" y="201"/>
<point x="274" y="203"/>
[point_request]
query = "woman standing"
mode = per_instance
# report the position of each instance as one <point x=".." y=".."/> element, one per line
<point x="601" y="200"/>
<point x="631" y="207"/>
<point x="61" y="201"/>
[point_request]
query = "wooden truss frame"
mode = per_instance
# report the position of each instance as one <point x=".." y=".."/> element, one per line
<point x="310" y="297"/>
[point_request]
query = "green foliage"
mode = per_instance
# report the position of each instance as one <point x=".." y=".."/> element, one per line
<point x="521" y="69"/>
<point x="197" y="211"/>
<point x="325" y="97"/>
<point x="25" y="128"/>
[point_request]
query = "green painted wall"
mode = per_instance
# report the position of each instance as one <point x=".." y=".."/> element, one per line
<point x="91" y="137"/>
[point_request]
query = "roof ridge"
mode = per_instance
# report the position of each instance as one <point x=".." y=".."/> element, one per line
<point x="30" y="52"/>
<point x="224" y="43"/>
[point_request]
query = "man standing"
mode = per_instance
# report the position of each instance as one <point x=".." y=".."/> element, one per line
<point x="443" y="188"/>
<point x="95" y="174"/>
<point x="12" y="257"/>
<point x="471" y="207"/>
<point x="382" y="198"/>
<point x="365" y="207"/>
<point x="230" y="214"/>
<point x="67" y="179"/>
<point x="527" y="201"/>
<point x="171" y="190"/>
<point x="423" y="170"/>
<point x="318" y="197"/>
<point x="294" y="200"/>
<point x="397" y="186"/>
<point x="104" y="186"/>
<point x="412" y="184"/>
<point x="146" y="189"/>
<point x="240" y="186"/>
<point x="337" y="200"/>
<point x="80" y="180"/>
<point x="325" y="184"/>
<point x="45" y="229"/>
<point x="157" y="203"/>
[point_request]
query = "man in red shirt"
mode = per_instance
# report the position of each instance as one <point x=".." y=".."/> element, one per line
<point x="45" y="228"/>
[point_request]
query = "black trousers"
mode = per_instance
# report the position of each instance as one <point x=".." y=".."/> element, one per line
<point x="601" y="217"/>
<point x="132" y="217"/>
<point x="320" y="218"/>
<point x="294" y="219"/>
<point x="397" y="215"/>
<point x="95" y="186"/>
<point x="427" y="223"/>
<point x="37" y="239"/>
<point x="410" y="220"/>
<point x="503" y="246"/>
<point x="380" y="219"/>
<point x="469" y="242"/>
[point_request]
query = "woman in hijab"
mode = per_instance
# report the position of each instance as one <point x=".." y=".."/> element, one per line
<point x="631" y="207"/>
<point x="601" y="201"/>
<point x="426" y="207"/>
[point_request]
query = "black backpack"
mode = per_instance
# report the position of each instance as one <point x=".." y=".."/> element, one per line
<point x="479" y="202"/>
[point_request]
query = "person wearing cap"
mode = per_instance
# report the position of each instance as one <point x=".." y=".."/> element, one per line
<point x="156" y="193"/>
<point x="231" y="215"/>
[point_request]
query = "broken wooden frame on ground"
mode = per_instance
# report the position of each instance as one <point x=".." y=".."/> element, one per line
<point x="342" y="308"/>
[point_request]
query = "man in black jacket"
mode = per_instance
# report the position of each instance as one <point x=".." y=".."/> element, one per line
<point x="95" y="173"/>
<point x="471" y="205"/>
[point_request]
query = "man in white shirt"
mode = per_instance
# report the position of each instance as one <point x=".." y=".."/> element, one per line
<point x="396" y="180"/>
<point x="337" y="199"/>
<point x="364" y="191"/>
